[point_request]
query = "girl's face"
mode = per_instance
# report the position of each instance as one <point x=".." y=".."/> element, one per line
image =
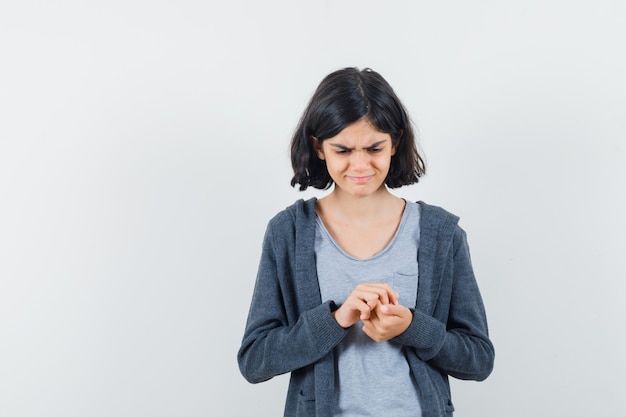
<point x="358" y="158"/>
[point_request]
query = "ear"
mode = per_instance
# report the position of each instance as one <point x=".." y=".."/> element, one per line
<point x="317" y="146"/>
<point x="395" y="143"/>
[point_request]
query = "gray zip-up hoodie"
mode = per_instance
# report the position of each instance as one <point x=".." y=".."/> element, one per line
<point x="289" y="329"/>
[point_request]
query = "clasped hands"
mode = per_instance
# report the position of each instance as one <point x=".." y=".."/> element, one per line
<point x="376" y="305"/>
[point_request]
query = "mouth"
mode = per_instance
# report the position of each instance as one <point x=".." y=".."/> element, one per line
<point x="359" y="179"/>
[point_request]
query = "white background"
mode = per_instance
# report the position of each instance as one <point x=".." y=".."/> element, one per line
<point x="144" y="146"/>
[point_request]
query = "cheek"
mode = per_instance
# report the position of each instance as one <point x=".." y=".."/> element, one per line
<point x="336" y="164"/>
<point x="382" y="161"/>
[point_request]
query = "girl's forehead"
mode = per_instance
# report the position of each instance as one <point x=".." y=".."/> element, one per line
<point x="361" y="131"/>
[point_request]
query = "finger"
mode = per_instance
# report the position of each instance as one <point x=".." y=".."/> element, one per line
<point x="386" y="294"/>
<point x="375" y="291"/>
<point x="364" y="300"/>
<point x="372" y="301"/>
<point x="370" y="329"/>
<point x="396" y="295"/>
<point x="365" y="307"/>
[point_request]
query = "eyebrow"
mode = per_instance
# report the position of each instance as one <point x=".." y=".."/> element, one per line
<point x="346" y="148"/>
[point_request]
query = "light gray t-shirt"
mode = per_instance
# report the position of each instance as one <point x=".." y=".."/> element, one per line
<point x="373" y="379"/>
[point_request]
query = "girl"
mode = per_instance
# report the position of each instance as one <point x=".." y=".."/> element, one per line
<point x="368" y="300"/>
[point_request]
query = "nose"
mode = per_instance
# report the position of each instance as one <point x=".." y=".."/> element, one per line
<point x="359" y="160"/>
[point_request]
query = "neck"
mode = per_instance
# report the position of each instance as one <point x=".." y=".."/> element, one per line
<point x="368" y="207"/>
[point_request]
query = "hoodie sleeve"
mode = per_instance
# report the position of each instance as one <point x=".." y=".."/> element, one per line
<point x="278" y="337"/>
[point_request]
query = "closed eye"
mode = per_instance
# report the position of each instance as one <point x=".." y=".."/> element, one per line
<point x="344" y="150"/>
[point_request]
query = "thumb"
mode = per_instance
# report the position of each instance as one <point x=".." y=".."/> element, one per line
<point x="391" y="309"/>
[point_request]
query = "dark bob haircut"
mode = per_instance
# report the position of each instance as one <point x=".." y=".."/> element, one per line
<point x="342" y="98"/>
